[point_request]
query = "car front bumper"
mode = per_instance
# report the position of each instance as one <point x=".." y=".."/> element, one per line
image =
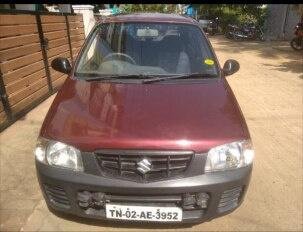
<point x="63" y="186"/>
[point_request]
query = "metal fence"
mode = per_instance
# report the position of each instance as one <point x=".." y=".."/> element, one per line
<point x="29" y="41"/>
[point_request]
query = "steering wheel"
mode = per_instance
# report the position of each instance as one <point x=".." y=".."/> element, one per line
<point x="118" y="54"/>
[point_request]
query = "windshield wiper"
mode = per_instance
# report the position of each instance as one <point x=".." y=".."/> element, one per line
<point x="97" y="77"/>
<point x="182" y="76"/>
<point x="147" y="78"/>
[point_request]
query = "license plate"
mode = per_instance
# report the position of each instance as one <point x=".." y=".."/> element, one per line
<point x="143" y="213"/>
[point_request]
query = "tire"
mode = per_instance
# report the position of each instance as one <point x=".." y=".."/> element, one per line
<point x="227" y="35"/>
<point x="296" y="44"/>
<point x="237" y="36"/>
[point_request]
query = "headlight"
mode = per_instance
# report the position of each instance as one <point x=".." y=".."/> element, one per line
<point x="229" y="156"/>
<point x="58" y="154"/>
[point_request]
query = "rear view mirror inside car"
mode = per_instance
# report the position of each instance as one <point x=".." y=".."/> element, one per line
<point x="146" y="32"/>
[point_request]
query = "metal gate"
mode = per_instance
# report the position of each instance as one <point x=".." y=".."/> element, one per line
<point x="29" y="41"/>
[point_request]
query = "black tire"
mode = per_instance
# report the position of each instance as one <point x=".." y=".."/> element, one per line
<point x="296" y="44"/>
<point x="227" y="35"/>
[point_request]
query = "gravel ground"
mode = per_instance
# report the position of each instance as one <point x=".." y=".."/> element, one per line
<point x="269" y="90"/>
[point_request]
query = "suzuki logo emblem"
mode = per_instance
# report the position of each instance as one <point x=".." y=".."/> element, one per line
<point x="144" y="166"/>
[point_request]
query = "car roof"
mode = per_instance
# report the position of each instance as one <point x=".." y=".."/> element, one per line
<point x="149" y="17"/>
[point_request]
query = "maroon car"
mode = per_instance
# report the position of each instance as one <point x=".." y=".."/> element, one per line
<point x="146" y="127"/>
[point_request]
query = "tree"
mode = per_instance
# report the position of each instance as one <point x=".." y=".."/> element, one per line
<point x="234" y="13"/>
<point x="161" y="8"/>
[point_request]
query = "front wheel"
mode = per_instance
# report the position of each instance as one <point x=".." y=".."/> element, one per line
<point x="296" y="44"/>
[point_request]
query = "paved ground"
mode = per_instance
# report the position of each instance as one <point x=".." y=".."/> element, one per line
<point x="269" y="90"/>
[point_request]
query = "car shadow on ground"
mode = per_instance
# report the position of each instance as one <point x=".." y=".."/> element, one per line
<point x="266" y="50"/>
<point x="117" y="224"/>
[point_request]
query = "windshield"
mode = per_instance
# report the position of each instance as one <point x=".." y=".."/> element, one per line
<point x="142" y="49"/>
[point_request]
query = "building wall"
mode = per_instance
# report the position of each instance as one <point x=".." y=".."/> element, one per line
<point x="4" y="6"/>
<point x="280" y="22"/>
<point x="25" y="6"/>
<point x="66" y="8"/>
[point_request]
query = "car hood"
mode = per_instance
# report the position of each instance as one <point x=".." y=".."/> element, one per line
<point x="187" y="116"/>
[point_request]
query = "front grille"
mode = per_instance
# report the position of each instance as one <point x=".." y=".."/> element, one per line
<point x="230" y="199"/>
<point x="158" y="165"/>
<point x="57" y="196"/>
<point x="88" y="200"/>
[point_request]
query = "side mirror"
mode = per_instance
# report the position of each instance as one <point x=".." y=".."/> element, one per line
<point x="230" y="67"/>
<point x="61" y="64"/>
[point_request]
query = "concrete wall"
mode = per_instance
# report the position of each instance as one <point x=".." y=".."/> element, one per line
<point x="66" y="8"/>
<point x="25" y="6"/>
<point x="280" y="22"/>
<point x="4" y="6"/>
<point x="88" y="16"/>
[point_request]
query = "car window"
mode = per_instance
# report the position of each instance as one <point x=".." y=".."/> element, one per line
<point x="146" y="49"/>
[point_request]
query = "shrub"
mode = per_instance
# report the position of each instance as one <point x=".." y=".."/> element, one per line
<point x="235" y="13"/>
